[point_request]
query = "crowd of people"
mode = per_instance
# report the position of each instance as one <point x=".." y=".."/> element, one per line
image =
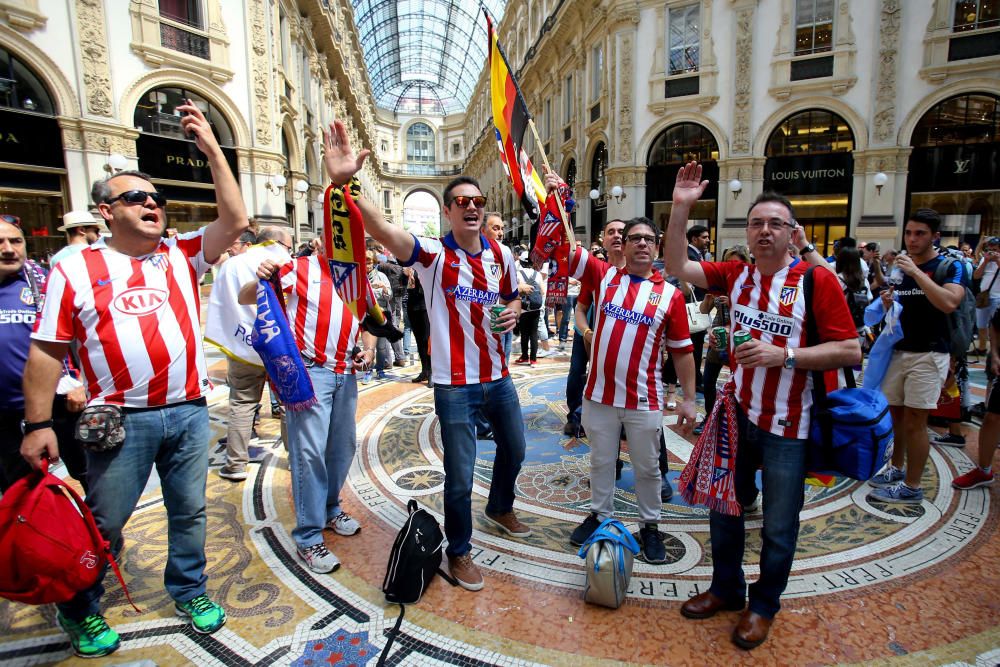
<point x="118" y="329"/>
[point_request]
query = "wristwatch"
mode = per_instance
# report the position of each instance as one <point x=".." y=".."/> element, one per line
<point x="27" y="427"/>
<point x="808" y="249"/>
<point x="789" y="357"/>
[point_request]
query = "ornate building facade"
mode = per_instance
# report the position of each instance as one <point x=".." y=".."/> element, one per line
<point x="88" y="89"/>
<point x="858" y="110"/>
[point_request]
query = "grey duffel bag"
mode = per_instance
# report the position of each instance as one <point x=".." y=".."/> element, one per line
<point x="608" y="552"/>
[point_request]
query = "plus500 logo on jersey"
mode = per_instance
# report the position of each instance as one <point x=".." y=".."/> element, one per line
<point x="140" y="301"/>
<point x="17" y="317"/>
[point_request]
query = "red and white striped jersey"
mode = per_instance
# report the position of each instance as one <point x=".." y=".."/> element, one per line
<point x="634" y="319"/>
<point x="137" y="321"/>
<point x="325" y="328"/>
<point x="773" y="309"/>
<point x="459" y="289"/>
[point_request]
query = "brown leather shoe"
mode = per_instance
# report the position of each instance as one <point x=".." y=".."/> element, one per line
<point x="752" y="630"/>
<point x="508" y="523"/>
<point x="465" y="572"/>
<point x="706" y="605"/>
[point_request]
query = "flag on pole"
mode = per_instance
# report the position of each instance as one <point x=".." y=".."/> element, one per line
<point x="510" y="118"/>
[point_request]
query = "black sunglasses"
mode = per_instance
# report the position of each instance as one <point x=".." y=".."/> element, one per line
<point x="138" y="197"/>
<point x="12" y="219"/>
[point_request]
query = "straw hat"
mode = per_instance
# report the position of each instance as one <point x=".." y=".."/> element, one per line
<point x="81" y="219"/>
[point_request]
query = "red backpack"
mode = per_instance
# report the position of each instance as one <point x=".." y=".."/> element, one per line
<point x="49" y="542"/>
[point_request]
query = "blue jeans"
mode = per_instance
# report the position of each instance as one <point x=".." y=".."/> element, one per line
<point x="576" y="380"/>
<point x="456" y="407"/>
<point x="783" y="477"/>
<point x="567" y="309"/>
<point x="175" y="439"/>
<point x="506" y="339"/>
<point x="321" y="445"/>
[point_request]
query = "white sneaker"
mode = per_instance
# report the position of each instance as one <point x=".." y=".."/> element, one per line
<point x="344" y="524"/>
<point x="319" y="559"/>
<point x="542" y="353"/>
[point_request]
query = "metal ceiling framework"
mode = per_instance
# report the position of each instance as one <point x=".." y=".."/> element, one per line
<point x="424" y="56"/>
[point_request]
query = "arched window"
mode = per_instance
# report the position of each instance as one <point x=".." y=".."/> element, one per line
<point x="682" y="143"/>
<point x="965" y="119"/>
<point x="420" y="144"/>
<point x="20" y="88"/>
<point x="811" y="132"/>
<point x="156" y="113"/>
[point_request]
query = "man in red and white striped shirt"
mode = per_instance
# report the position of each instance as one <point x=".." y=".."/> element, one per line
<point x="463" y="276"/>
<point x="321" y="438"/>
<point x="132" y="306"/>
<point x="638" y="316"/>
<point x="773" y="391"/>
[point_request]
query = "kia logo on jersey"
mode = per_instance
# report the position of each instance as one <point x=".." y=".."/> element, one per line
<point x="140" y="301"/>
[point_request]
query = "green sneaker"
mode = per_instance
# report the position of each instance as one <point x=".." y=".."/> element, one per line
<point x="91" y="637"/>
<point x="206" y="616"/>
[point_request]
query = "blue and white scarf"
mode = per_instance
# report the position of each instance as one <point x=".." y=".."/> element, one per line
<point x="273" y="340"/>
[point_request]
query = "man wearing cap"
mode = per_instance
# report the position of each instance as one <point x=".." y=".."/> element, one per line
<point x="81" y="228"/>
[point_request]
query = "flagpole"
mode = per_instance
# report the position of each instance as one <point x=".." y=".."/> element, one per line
<point x="545" y="161"/>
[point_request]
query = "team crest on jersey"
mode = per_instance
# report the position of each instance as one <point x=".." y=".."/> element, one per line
<point x="341" y="271"/>
<point x="159" y="260"/>
<point x="789" y="295"/>
<point x="654" y="299"/>
<point x="495" y="270"/>
<point x="27" y="298"/>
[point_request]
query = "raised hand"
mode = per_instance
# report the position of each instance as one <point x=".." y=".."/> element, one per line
<point x="688" y="187"/>
<point x="338" y="156"/>
<point x="196" y="126"/>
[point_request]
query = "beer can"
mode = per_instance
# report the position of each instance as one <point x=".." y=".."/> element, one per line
<point x="740" y="337"/>
<point x="495" y="311"/>
<point x="721" y="334"/>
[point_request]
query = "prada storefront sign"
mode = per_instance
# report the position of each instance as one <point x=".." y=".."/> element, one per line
<point x="30" y="139"/>
<point x="955" y="168"/>
<point x="177" y="160"/>
<point x="829" y="173"/>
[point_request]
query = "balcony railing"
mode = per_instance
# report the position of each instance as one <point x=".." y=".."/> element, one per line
<point x="420" y="170"/>
<point x="178" y="39"/>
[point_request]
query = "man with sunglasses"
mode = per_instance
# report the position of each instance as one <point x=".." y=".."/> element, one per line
<point x="773" y="391"/>
<point x="81" y="229"/>
<point x="638" y="317"/>
<point x="463" y="276"/>
<point x="131" y="303"/>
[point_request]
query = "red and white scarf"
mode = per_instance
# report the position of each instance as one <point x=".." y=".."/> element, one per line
<point x="709" y="478"/>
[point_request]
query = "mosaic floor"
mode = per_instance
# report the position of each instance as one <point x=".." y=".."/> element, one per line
<point x="871" y="584"/>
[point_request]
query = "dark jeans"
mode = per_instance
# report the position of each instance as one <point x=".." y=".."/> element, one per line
<point x="710" y="380"/>
<point x="576" y="380"/>
<point x="783" y="476"/>
<point x="698" y="339"/>
<point x="527" y="326"/>
<point x="13" y="466"/>
<point x="456" y="407"/>
<point x="421" y="328"/>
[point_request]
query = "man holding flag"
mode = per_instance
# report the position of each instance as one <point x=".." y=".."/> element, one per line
<point x="465" y="277"/>
<point x="327" y="326"/>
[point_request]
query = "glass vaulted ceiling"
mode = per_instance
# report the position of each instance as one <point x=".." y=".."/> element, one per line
<point x="424" y="56"/>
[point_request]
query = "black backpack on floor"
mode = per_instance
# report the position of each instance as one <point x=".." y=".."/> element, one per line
<point x="415" y="557"/>
<point x="414" y="560"/>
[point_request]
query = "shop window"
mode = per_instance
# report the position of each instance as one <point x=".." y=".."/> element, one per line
<point x="683" y="143"/>
<point x="20" y="89"/>
<point x="966" y="119"/>
<point x="568" y="100"/>
<point x="684" y="40"/>
<point x="963" y="37"/>
<point x="189" y="34"/>
<point x="810" y="132"/>
<point x="673" y="147"/>
<point x="420" y="144"/>
<point x="157" y="114"/>
<point x="813" y="26"/>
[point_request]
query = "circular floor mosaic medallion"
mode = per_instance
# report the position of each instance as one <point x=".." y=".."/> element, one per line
<point x="846" y="542"/>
